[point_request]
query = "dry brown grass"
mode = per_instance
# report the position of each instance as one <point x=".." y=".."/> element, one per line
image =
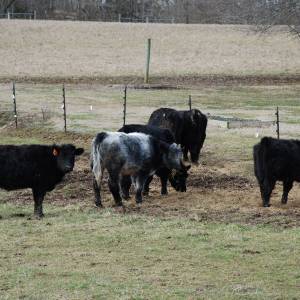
<point x="86" y="49"/>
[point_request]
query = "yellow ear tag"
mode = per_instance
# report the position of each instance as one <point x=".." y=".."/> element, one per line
<point x="55" y="152"/>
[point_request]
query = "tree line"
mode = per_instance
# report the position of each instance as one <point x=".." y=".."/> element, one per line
<point x="264" y="13"/>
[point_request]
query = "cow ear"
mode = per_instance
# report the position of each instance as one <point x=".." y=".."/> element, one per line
<point x="79" y="151"/>
<point x="55" y="151"/>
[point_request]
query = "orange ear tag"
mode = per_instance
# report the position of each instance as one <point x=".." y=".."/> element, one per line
<point x="55" y="152"/>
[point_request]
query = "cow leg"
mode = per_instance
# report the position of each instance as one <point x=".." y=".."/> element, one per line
<point x="185" y="151"/>
<point x="139" y="185"/>
<point x="287" y="186"/>
<point x="163" y="174"/>
<point x="38" y="198"/>
<point x="97" y="190"/>
<point x="125" y="187"/>
<point x="113" y="184"/>
<point x="164" y="183"/>
<point x="146" y="186"/>
<point x="266" y="189"/>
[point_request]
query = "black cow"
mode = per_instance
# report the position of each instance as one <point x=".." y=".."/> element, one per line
<point x="135" y="154"/>
<point x="177" y="179"/>
<point x="39" y="167"/>
<point x="276" y="160"/>
<point x="187" y="126"/>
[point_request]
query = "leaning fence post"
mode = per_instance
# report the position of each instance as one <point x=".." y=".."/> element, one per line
<point x="15" y="105"/>
<point x="277" y="123"/>
<point x="124" y="105"/>
<point x="64" y="107"/>
<point x="190" y="102"/>
<point x="148" y="60"/>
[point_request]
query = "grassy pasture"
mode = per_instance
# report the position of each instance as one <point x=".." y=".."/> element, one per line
<point x="93" y="107"/>
<point x="44" y="50"/>
<point x="80" y="253"/>
<point x="215" y="241"/>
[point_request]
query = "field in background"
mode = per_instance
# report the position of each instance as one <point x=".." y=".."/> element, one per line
<point x="47" y="50"/>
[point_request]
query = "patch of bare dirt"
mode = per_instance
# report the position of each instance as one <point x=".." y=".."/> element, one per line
<point x="212" y="196"/>
<point x="161" y="82"/>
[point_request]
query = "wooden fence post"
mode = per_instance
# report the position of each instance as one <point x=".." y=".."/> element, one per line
<point x="64" y="107"/>
<point x="124" y="105"/>
<point x="190" y="102"/>
<point x="148" y="61"/>
<point x="15" y="105"/>
<point x="277" y="123"/>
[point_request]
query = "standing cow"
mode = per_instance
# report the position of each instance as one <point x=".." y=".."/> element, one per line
<point x="276" y="160"/>
<point x="188" y="128"/>
<point x="177" y="179"/>
<point x="135" y="154"/>
<point x="39" y="167"/>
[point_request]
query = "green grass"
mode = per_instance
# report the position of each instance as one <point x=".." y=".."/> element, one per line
<point x="252" y="102"/>
<point x="80" y="253"/>
<point x="15" y="140"/>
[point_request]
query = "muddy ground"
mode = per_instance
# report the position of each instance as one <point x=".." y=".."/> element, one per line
<point x="212" y="196"/>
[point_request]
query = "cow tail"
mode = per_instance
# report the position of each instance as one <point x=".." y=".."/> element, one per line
<point x="96" y="162"/>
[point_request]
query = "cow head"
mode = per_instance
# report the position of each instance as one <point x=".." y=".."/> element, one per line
<point x="178" y="179"/>
<point x="65" y="156"/>
<point x="173" y="156"/>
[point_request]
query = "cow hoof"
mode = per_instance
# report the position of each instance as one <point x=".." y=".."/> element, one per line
<point x="267" y="205"/>
<point x="284" y="202"/>
<point x="98" y="204"/>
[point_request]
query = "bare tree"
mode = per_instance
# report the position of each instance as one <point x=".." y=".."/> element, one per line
<point x="279" y="12"/>
<point x="5" y="5"/>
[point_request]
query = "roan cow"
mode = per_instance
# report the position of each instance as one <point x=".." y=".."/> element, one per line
<point x="39" y="167"/>
<point x="135" y="154"/>
<point x="276" y="160"/>
<point x="177" y="178"/>
<point x="187" y="126"/>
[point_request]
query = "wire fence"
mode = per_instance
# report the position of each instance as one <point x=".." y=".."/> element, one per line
<point x="94" y="108"/>
<point x="118" y="18"/>
<point x="27" y="16"/>
<point x="83" y="108"/>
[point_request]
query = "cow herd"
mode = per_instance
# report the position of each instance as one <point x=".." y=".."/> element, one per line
<point x="135" y="153"/>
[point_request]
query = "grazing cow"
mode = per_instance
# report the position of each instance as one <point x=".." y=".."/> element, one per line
<point x="187" y="126"/>
<point x="38" y="167"/>
<point x="135" y="154"/>
<point x="276" y="160"/>
<point x="177" y="179"/>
